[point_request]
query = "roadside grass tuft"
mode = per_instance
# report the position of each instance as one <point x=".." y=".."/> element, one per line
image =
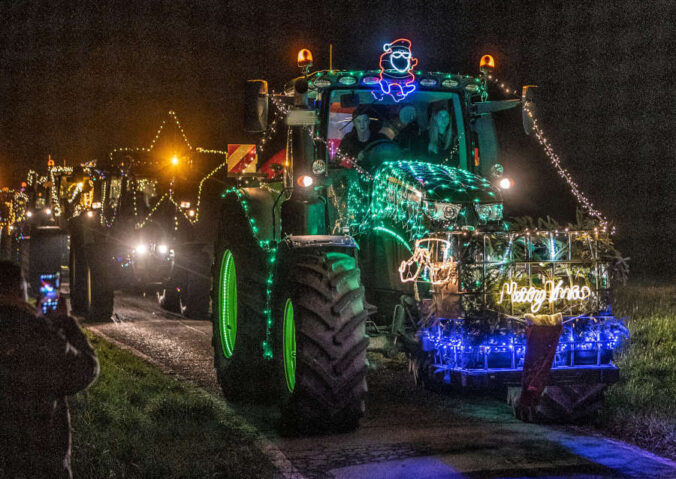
<point x="641" y="407"/>
<point x="135" y="422"/>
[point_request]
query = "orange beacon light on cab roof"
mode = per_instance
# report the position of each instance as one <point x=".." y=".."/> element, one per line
<point x="304" y="58"/>
<point x="487" y="63"/>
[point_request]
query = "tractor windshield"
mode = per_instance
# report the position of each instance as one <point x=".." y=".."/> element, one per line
<point x="426" y="126"/>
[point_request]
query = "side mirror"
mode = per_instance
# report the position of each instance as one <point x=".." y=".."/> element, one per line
<point x="528" y="94"/>
<point x="256" y="106"/>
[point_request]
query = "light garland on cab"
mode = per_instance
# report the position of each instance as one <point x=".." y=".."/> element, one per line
<point x="555" y="160"/>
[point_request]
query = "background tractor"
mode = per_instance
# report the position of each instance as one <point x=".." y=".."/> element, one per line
<point x="150" y="226"/>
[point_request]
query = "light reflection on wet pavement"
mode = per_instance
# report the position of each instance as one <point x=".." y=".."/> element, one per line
<point x="407" y="433"/>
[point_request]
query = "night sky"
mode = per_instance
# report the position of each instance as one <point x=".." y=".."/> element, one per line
<point x="79" y="79"/>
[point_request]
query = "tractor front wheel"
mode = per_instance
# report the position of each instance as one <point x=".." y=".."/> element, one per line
<point x="320" y="342"/>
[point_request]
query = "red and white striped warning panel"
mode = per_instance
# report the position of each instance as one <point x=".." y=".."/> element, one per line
<point x="241" y="158"/>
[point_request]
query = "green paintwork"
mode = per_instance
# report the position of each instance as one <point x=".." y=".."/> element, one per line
<point x="289" y="346"/>
<point x="227" y="304"/>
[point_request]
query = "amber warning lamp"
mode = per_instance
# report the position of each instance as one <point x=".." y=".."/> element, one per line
<point x="487" y="64"/>
<point x="305" y="59"/>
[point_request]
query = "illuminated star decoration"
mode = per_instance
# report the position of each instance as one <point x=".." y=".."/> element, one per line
<point x="396" y="77"/>
<point x="191" y="216"/>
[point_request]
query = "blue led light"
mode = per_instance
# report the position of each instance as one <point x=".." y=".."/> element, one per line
<point x="590" y="341"/>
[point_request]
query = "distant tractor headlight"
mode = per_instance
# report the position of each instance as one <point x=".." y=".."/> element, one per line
<point x="305" y="181"/>
<point x="90" y="214"/>
<point x="141" y="249"/>
<point x="29" y="214"/>
<point x="185" y="205"/>
<point x="163" y="249"/>
<point x="191" y="213"/>
<point x="47" y="211"/>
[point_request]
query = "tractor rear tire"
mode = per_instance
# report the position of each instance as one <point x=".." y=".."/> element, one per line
<point x="242" y="371"/>
<point x="169" y="299"/>
<point x="196" y="290"/>
<point x="91" y="288"/>
<point x="568" y="404"/>
<point x="327" y="387"/>
<point x="79" y="295"/>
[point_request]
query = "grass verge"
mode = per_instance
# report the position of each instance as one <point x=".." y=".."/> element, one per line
<point x="641" y="407"/>
<point x="135" y="422"/>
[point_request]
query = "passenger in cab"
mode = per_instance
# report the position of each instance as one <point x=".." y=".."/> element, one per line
<point x="409" y="136"/>
<point x="363" y="132"/>
<point x="440" y="135"/>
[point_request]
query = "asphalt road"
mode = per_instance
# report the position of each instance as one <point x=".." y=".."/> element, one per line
<point x="407" y="433"/>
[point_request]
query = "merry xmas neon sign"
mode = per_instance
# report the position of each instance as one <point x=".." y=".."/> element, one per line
<point x="396" y="64"/>
<point x="537" y="296"/>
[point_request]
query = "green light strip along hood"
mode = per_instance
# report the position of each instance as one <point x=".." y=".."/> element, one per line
<point x="439" y="183"/>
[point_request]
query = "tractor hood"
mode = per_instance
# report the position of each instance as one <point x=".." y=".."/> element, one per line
<point x="438" y="183"/>
<point x="428" y="197"/>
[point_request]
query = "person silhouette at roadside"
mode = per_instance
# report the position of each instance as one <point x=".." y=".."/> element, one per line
<point x="43" y="359"/>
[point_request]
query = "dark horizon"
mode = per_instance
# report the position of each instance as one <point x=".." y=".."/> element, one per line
<point x="80" y="79"/>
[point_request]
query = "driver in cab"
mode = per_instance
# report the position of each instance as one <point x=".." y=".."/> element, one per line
<point x="363" y="132"/>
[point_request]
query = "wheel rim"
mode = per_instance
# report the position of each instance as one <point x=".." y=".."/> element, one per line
<point x="89" y="289"/>
<point x="289" y="346"/>
<point x="227" y="304"/>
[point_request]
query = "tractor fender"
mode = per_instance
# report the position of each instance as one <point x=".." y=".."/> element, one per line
<point x="259" y="206"/>
<point x="320" y="241"/>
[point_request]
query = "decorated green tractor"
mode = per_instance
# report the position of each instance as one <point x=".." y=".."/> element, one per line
<point x="150" y="227"/>
<point x="382" y="219"/>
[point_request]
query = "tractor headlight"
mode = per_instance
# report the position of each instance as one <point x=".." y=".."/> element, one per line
<point x="141" y="249"/>
<point x="489" y="212"/>
<point x="442" y="211"/>
<point x="162" y="249"/>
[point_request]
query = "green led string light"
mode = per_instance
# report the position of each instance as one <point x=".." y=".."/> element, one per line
<point x="270" y="248"/>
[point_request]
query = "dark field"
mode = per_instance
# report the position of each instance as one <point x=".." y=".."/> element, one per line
<point x="641" y="408"/>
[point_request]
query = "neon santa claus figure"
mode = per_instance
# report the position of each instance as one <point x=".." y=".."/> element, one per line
<point x="396" y="77"/>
